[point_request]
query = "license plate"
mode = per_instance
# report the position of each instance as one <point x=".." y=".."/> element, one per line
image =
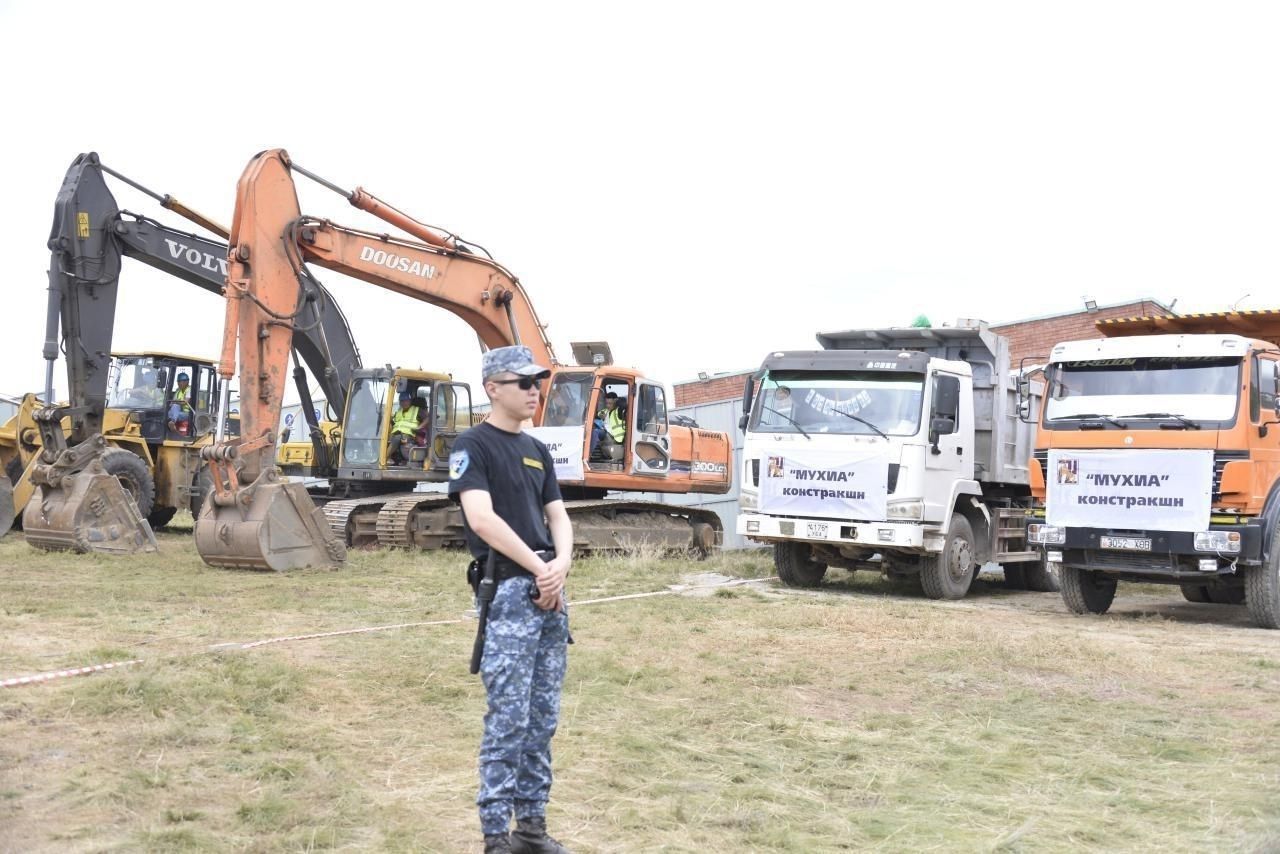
<point x="817" y="529"/>
<point x="1132" y="544"/>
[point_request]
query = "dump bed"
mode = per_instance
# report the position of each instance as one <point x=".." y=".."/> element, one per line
<point x="1002" y="443"/>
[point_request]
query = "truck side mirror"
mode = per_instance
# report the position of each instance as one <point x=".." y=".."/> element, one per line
<point x="940" y="425"/>
<point x="1025" y="398"/>
<point x="748" y="393"/>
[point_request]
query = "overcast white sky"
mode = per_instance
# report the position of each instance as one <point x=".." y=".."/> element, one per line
<point x="696" y="183"/>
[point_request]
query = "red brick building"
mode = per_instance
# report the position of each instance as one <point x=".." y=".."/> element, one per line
<point x="1031" y="337"/>
<point x="1036" y="335"/>
<point x="711" y="390"/>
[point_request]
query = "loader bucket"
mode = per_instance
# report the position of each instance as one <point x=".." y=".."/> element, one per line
<point x="279" y="528"/>
<point x="6" y="505"/>
<point x="88" y="512"/>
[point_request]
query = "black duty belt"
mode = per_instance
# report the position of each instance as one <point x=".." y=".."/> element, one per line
<point x="505" y="568"/>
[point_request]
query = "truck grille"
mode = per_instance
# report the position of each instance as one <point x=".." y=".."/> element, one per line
<point x="1220" y="460"/>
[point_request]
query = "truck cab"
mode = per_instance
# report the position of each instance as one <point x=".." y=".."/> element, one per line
<point x="907" y="449"/>
<point x="1157" y="460"/>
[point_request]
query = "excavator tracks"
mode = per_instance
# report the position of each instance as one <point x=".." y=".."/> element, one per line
<point x="421" y="520"/>
<point x="353" y="520"/>
<point x="429" y="521"/>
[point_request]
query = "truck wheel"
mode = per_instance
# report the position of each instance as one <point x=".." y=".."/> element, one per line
<point x="1014" y="577"/>
<point x="132" y="472"/>
<point x="796" y="566"/>
<point x="1040" y="577"/>
<point x="1220" y="595"/>
<point x="948" y="574"/>
<point x="1197" y="593"/>
<point x="1086" y="592"/>
<point x="1262" y="590"/>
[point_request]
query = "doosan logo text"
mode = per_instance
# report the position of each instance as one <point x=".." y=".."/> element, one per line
<point x="194" y="255"/>
<point x="392" y="261"/>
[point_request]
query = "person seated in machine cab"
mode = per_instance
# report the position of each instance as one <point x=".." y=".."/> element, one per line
<point x="610" y="424"/>
<point x="407" y="423"/>
<point x="180" y="407"/>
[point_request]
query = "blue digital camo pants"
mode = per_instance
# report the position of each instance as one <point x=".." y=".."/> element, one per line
<point x="522" y="668"/>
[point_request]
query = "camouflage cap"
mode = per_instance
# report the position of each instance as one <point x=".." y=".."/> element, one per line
<point x="517" y="359"/>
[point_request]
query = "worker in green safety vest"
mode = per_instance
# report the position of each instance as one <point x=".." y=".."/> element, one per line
<point x="405" y="424"/>
<point x="610" y="420"/>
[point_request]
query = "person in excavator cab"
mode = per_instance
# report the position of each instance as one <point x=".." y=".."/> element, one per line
<point x="407" y="423"/>
<point x="180" y="407"/>
<point x="611" y="421"/>
<point x="145" y="392"/>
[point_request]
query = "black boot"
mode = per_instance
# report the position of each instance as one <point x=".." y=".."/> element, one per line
<point x="531" y="837"/>
<point x="498" y="843"/>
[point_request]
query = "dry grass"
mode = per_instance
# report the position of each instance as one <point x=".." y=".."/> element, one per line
<point x="745" y="720"/>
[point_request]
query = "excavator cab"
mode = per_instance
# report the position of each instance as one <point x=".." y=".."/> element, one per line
<point x="368" y="450"/>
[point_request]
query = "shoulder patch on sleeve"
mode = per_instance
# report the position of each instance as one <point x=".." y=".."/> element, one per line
<point x="458" y="462"/>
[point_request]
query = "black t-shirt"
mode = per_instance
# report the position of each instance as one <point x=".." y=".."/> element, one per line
<point x="518" y="473"/>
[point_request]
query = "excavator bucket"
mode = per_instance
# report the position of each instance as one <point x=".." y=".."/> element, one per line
<point x="90" y="512"/>
<point x="6" y="505"/>
<point x="279" y="527"/>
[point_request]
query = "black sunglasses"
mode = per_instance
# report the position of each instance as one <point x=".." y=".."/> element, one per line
<point x="525" y="383"/>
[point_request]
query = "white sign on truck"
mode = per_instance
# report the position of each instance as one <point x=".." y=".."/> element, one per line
<point x="845" y="485"/>
<point x="1139" y="489"/>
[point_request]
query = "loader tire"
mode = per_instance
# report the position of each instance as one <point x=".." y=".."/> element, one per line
<point x="1197" y="593"/>
<point x="1086" y="592"/>
<point x="161" y="516"/>
<point x="132" y="472"/>
<point x="948" y="574"/>
<point x="1040" y="577"/>
<point x="796" y="566"/>
<point x="203" y="486"/>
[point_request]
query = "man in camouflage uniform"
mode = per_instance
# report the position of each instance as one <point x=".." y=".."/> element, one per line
<point x="505" y="481"/>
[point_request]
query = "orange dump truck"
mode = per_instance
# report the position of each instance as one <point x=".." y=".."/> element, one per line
<point x="1158" y="460"/>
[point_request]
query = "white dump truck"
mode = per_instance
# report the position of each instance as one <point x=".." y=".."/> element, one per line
<point x="902" y="443"/>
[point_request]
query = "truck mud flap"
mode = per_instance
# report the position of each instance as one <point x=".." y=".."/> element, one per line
<point x="92" y="512"/>
<point x="279" y="528"/>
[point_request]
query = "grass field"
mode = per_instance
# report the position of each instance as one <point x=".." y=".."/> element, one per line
<point x="749" y="718"/>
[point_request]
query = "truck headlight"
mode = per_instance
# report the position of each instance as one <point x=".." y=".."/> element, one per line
<point x="747" y="500"/>
<point x="1049" y="535"/>
<point x="1217" y="541"/>
<point x="906" y="510"/>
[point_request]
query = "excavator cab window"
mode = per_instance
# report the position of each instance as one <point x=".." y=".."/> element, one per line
<point x="567" y="400"/>
<point x="362" y="431"/>
<point x="451" y="414"/>
<point x="650" y="445"/>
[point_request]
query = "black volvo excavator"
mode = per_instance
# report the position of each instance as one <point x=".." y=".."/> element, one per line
<point x="96" y="473"/>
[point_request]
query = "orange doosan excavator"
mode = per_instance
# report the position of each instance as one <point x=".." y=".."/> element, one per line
<point x="254" y="519"/>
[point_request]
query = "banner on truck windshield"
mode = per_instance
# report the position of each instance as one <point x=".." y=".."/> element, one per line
<point x="843" y="485"/>
<point x="565" y="445"/>
<point x="1142" y="489"/>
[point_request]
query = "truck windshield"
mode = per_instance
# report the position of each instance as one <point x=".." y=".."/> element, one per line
<point x="823" y="401"/>
<point x="1202" y="389"/>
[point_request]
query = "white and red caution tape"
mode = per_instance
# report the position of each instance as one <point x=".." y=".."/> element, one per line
<point x="52" y="675"/>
